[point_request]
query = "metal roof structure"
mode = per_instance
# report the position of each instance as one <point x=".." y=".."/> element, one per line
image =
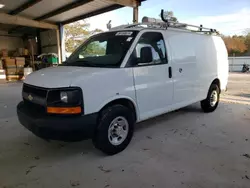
<point x="57" y="11"/>
<point x="25" y="16"/>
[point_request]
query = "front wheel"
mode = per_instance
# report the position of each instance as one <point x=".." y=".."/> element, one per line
<point x="115" y="129"/>
<point x="212" y="100"/>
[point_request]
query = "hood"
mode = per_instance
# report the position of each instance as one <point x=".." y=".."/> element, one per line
<point x="55" y="77"/>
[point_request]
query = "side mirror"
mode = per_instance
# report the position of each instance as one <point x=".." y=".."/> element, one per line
<point x="146" y="55"/>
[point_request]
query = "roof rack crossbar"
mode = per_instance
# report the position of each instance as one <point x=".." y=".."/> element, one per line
<point x="201" y="28"/>
<point x="170" y="24"/>
<point x="165" y="24"/>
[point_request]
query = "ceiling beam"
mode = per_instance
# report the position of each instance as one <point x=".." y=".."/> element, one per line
<point x="20" y="20"/>
<point x="63" y="9"/>
<point x="14" y="29"/>
<point x="128" y="3"/>
<point x="94" y="13"/>
<point x="24" y="6"/>
<point x="60" y="10"/>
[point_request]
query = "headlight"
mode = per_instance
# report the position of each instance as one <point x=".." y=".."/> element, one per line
<point x="64" y="96"/>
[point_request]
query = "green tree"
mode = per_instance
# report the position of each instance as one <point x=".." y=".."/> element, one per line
<point x="76" y="33"/>
<point x="247" y="41"/>
<point x="94" y="48"/>
<point x="235" y="45"/>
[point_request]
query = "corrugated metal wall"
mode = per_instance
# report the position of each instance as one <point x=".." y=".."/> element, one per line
<point x="9" y="42"/>
<point x="236" y="63"/>
<point x="49" y="41"/>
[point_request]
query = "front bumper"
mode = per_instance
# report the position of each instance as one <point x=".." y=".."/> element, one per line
<point x="65" y="128"/>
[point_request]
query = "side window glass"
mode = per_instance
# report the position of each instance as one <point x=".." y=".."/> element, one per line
<point x="149" y="50"/>
<point x="162" y="48"/>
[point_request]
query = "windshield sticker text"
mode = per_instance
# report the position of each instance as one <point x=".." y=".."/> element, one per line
<point x="124" y="33"/>
<point x="129" y="39"/>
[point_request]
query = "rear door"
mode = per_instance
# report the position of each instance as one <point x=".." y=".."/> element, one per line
<point x="152" y="80"/>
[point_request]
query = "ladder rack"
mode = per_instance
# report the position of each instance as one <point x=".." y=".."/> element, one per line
<point x="165" y="24"/>
<point x="200" y="28"/>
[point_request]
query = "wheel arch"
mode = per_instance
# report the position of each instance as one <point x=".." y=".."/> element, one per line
<point x="125" y="101"/>
<point x="217" y="82"/>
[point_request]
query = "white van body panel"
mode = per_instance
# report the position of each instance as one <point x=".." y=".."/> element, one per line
<point x="99" y="85"/>
<point x="106" y="86"/>
<point x="184" y="67"/>
<point x="222" y="59"/>
<point x="153" y="87"/>
<point x="61" y="76"/>
<point x="154" y="90"/>
<point x="196" y="61"/>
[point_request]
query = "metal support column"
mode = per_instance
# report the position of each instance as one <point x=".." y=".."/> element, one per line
<point x="135" y="14"/>
<point x="59" y="46"/>
<point x="62" y="44"/>
<point x="39" y="44"/>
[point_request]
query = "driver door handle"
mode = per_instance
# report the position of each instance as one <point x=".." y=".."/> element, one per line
<point x="169" y="72"/>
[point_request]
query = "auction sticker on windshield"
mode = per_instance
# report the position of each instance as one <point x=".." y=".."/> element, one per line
<point x="124" y="33"/>
<point x="129" y="39"/>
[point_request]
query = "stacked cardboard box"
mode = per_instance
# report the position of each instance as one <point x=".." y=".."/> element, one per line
<point x="20" y="62"/>
<point x="1" y="64"/>
<point x="10" y="68"/>
<point x="14" y="68"/>
<point x="4" y="53"/>
<point x="2" y="76"/>
<point x="2" y="72"/>
<point x="22" y="52"/>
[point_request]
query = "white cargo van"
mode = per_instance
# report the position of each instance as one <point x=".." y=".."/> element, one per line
<point x="123" y="76"/>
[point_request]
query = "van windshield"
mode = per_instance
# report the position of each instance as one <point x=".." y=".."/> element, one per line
<point x="103" y="50"/>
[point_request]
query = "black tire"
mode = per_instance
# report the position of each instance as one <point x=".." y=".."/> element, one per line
<point x="101" y="140"/>
<point x="206" y="104"/>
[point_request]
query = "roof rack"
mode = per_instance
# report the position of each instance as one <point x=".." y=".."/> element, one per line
<point x="175" y="24"/>
<point x="165" y="24"/>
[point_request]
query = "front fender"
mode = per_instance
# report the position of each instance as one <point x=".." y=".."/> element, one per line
<point x="117" y="97"/>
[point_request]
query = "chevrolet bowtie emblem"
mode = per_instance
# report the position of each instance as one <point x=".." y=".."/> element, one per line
<point x="30" y="97"/>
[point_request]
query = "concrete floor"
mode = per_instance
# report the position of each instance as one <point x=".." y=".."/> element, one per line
<point x="238" y="89"/>
<point x="183" y="149"/>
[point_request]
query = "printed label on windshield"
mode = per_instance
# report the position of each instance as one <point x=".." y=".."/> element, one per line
<point x="129" y="39"/>
<point x="124" y="33"/>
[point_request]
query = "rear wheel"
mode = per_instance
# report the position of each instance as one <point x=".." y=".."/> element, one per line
<point x="115" y="129"/>
<point x="212" y="100"/>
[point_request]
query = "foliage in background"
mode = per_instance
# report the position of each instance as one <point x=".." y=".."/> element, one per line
<point x="247" y="42"/>
<point x="237" y="45"/>
<point x="76" y="33"/>
<point x="94" y="48"/>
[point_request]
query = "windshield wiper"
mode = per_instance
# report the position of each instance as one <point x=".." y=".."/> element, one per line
<point x="80" y="62"/>
<point x="90" y="64"/>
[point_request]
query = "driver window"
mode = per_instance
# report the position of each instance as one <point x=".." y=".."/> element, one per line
<point x="154" y="42"/>
<point x="93" y="49"/>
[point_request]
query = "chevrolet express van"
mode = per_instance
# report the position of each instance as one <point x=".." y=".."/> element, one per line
<point x="120" y="77"/>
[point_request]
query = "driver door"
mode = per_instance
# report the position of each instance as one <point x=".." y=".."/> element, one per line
<point x="152" y="78"/>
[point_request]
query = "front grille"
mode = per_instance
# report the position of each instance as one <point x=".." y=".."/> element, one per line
<point x="37" y="91"/>
<point x="35" y="94"/>
<point x="35" y="98"/>
<point x="34" y="108"/>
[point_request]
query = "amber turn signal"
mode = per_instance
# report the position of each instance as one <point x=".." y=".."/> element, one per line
<point x="64" y="110"/>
